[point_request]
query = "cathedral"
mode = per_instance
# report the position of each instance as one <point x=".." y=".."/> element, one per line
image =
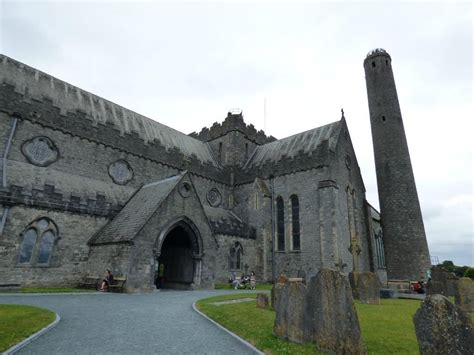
<point x="88" y="185"/>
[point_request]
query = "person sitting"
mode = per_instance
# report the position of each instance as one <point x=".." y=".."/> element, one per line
<point x="419" y="287"/>
<point x="107" y="281"/>
<point x="253" y="281"/>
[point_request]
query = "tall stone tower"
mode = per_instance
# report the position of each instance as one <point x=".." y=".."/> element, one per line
<point x="406" y="248"/>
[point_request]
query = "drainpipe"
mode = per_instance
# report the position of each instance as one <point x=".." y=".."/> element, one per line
<point x="4" y="170"/>
<point x="272" y="229"/>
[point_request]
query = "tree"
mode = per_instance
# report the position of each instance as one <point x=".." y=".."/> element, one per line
<point x="449" y="266"/>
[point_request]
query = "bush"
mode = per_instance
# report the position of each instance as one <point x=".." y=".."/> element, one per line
<point x="469" y="272"/>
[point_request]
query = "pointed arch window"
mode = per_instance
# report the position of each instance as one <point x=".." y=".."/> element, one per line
<point x="295" y="223"/>
<point x="37" y="243"/>
<point x="235" y="257"/>
<point x="280" y="212"/>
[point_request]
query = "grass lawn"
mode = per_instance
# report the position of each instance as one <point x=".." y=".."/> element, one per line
<point x="386" y="328"/>
<point x="19" y="322"/>
<point x="53" y="290"/>
<point x="225" y="286"/>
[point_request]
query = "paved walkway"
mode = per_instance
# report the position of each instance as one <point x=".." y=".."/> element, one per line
<point x="162" y="322"/>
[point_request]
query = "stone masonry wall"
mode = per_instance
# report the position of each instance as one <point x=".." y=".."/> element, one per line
<point x="142" y="261"/>
<point x="70" y="253"/>
<point x="226" y="242"/>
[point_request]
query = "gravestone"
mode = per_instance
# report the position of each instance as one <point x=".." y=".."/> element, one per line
<point x="442" y="282"/>
<point x="276" y="290"/>
<point x="330" y="316"/>
<point x="263" y="301"/>
<point x="464" y="296"/>
<point x="290" y="313"/>
<point x="365" y="287"/>
<point x="443" y="328"/>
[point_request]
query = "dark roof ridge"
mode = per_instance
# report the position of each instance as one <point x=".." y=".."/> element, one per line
<point x="36" y="84"/>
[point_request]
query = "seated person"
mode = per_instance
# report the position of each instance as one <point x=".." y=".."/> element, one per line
<point x="419" y="287"/>
<point x="253" y="280"/>
<point x="108" y="279"/>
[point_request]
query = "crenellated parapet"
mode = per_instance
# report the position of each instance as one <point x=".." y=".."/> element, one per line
<point x="233" y="122"/>
<point x="318" y="159"/>
<point x="80" y="124"/>
<point x="50" y="198"/>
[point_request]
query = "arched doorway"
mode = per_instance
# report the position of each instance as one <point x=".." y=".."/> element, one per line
<point x="178" y="256"/>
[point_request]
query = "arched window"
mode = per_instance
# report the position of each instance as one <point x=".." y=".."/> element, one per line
<point x="38" y="242"/>
<point x="280" y="212"/>
<point x="295" y="222"/>
<point x="26" y="250"/>
<point x="235" y="256"/>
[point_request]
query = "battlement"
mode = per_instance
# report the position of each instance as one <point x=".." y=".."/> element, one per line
<point x="50" y="198"/>
<point x="233" y="122"/>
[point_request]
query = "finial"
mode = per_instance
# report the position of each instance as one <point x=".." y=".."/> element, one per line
<point x="342" y="113"/>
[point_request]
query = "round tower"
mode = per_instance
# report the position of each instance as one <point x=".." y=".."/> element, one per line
<point x="406" y="249"/>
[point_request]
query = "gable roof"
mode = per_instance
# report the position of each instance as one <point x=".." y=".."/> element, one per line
<point x="305" y="142"/>
<point x="34" y="84"/>
<point x="138" y="210"/>
<point x="226" y="222"/>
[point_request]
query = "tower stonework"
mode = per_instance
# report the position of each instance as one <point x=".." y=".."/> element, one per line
<point x="406" y="248"/>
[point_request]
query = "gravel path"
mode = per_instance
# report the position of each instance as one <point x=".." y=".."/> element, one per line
<point x="162" y="322"/>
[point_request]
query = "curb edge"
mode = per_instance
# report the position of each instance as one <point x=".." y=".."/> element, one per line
<point x="243" y="341"/>
<point x="32" y="337"/>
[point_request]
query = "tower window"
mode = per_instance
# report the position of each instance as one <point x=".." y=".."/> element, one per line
<point x="280" y="224"/>
<point x="220" y="150"/>
<point x="373" y="64"/>
<point x="386" y="63"/>
<point x="383" y="118"/>
<point x="246" y="150"/>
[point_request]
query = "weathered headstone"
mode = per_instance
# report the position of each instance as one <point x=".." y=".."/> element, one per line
<point x="263" y="301"/>
<point x="365" y="287"/>
<point x="442" y="282"/>
<point x="464" y="296"/>
<point x="443" y="328"/>
<point x="276" y="290"/>
<point x="330" y="316"/>
<point x="290" y="313"/>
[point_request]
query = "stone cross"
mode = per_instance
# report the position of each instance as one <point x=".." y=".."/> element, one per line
<point x="355" y="250"/>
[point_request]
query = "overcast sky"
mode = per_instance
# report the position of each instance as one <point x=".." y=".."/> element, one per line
<point x="186" y="64"/>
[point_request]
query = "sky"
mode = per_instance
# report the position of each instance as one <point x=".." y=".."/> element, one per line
<point x="186" y="64"/>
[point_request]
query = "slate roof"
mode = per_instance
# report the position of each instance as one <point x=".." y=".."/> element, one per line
<point x="305" y="142"/>
<point x="226" y="222"/>
<point x="34" y="84"/>
<point x="138" y="210"/>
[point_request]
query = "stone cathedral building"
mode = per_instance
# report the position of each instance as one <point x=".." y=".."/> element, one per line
<point x="88" y="185"/>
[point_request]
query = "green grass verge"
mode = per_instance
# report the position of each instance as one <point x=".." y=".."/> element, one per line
<point x="19" y="322"/>
<point x="54" y="290"/>
<point x="48" y="290"/>
<point x="386" y="328"/>
<point x="225" y="286"/>
<point x="251" y="323"/>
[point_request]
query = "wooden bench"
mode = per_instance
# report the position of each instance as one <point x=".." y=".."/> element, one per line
<point x="401" y="286"/>
<point x="118" y="284"/>
<point x="90" y="282"/>
<point x="10" y="287"/>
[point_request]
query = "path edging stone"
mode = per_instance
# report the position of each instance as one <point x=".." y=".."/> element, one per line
<point x="243" y="341"/>
<point x="32" y="337"/>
